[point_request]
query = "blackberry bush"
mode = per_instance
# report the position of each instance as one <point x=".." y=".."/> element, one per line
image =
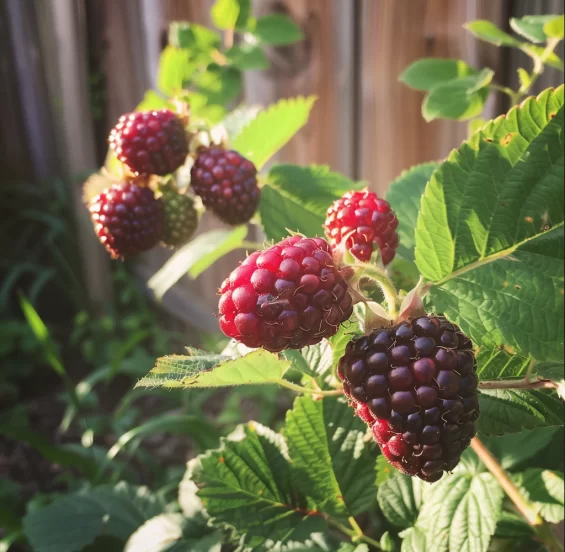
<point x="465" y="404"/>
<point x="416" y="386"/>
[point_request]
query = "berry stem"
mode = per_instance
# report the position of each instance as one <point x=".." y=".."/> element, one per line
<point x="519" y="384"/>
<point x="301" y="389"/>
<point x="355" y="534"/>
<point x="379" y="276"/>
<point x="256" y="246"/>
<point x="505" y="482"/>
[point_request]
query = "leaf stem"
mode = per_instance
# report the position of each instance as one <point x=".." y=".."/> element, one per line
<point x="518" y="384"/>
<point x="506" y="483"/>
<point x="514" y="96"/>
<point x="301" y="389"/>
<point x="539" y="63"/>
<point x="356" y="534"/>
<point x="250" y="245"/>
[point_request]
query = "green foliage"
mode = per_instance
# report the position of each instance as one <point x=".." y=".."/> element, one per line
<point x="267" y="133"/>
<point x="544" y="489"/>
<point x="203" y="370"/>
<point x="277" y="30"/>
<point x="425" y="74"/>
<point x="499" y="199"/>
<point x="72" y="522"/>
<point x="404" y="196"/>
<point x="297" y="198"/>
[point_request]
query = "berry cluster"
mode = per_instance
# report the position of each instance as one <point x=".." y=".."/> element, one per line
<point x="364" y="221"/>
<point x="155" y="143"/>
<point x="287" y="296"/>
<point x="416" y="386"/>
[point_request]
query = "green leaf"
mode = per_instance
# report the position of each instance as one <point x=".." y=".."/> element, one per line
<point x="544" y="489"/>
<point x="74" y="521"/>
<point x="413" y="540"/>
<point x="458" y="99"/>
<point x="202" y="370"/>
<point x="515" y="449"/>
<point x="347" y="331"/>
<point x="272" y="129"/>
<point x="174" y="70"/>
<point x="250" y="484"/>
<point x="152" y="100"/>
<point x="400" y="499"/>
<point x="532" y="27"/>
<point x="425" y="74"/>
<point x="404" y="196"/>
<point x="218" y="85"/>
<point x="277" y="30"/>
<point x="247" y="57"/>
<point x="460" y="512"/>
<point x="195" y="38"/>
<point x="489" y="32"/>
<point x="297" y="199"/>
<point x="172" y="532"/>
<point x="524" y="77"/>
<point x="494" y="200"/>
<point x="195" y="257"/>
<point x="513" y="526"/>
<point x="41" y="333"/>
<point x="475" y="124"/>
<point x="224" y="13"/>
<point x="496" y="363"/>
<point x="512" y="410"/>
<point x="551" y="59"/>
<point x="555" y="28"/>
<point x="319" y="358"/>
<point x="336" y="467"/>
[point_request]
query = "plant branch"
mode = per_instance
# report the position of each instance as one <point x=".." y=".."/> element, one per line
<point x="301" y="389"/>
<point x="506" y="483"/>
<point x="356" y="534"/>
<point x="518" y="384"/>
<point x="514" y="96"/>
<point x="250" y="245"/>
<point x="539" y="63"/>
<point x="379" y="276"/>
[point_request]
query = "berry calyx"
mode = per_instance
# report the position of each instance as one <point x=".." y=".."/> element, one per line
<point x="363" y="221"/>
<point x="418" y="383"/>
<point x="287" y="296"/>
<point x="150" y="142"/>
<point x="127" y="218"/>
<point x="227" y="183"/>
<point x="181" y="218"/>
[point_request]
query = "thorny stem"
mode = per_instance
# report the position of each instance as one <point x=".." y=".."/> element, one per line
<point x="384" y="282"/>
<point x="543" y="530"/>
<point x="505" y="482"/>
<point x="518" y="384"/>
<point x="301" y="389"/>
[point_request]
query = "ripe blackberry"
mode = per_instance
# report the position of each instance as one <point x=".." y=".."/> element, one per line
<point x="227" y="183"/>
<point x="364" y="220"/>
<point x="416" y="386"/>
<point x="150" y="142"/>
<point x="287" y="296"/>
<point x="127" y="218"/>
<point x="181" y="218"/>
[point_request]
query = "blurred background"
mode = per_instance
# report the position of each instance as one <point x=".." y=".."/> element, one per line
<point x="69" y="69"/>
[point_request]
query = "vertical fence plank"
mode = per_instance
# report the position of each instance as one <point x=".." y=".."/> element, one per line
<point x="63" y="40"/>
<point x="393" y="135"/>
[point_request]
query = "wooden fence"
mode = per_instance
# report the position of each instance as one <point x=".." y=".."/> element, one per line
<point x="365" y="123"/>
